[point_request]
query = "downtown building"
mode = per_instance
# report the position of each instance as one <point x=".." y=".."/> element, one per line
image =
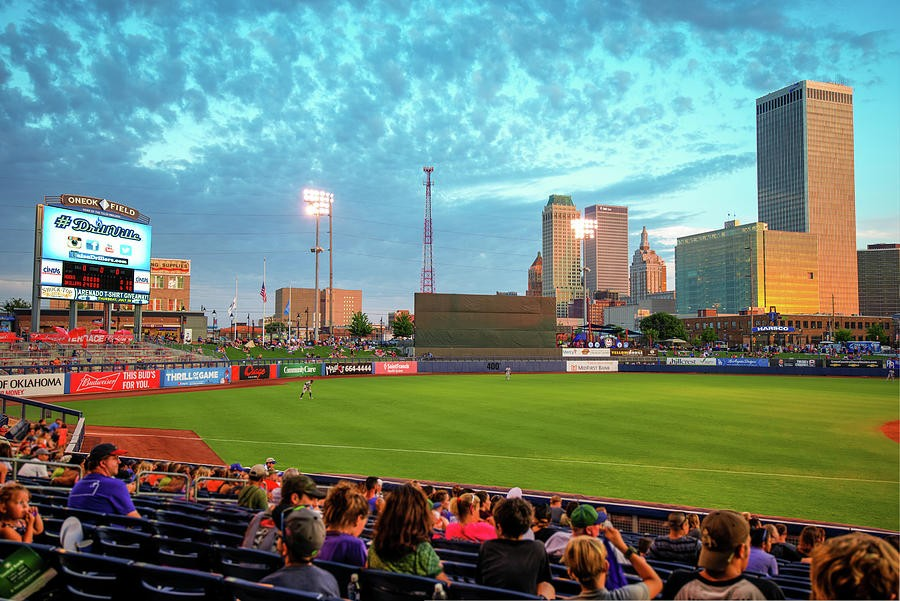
<point x="606" y="254"/>
<point x="879" y="279"/>
<point x="561" y="264"/>
<point x="805" y="177"/>
<point x="297" y="307"/>
<point x="648" y="271"/>
<point x="536" y="277"/>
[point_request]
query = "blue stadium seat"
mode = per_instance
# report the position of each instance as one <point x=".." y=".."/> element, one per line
<point x="456" y="555"/>
<point x="246" y="564"/>
<point x="181" y="553"/>
<point x="127" y="544"/>
<point x="87" y="576"/>
<point x="459" y="571"/>
<point x="246" y="590"/>
<point x="160" y="583"/>
<point x="465" y="590"/>
<point x="380" y="585"/>
<point x="341" y="571"/>
<point x="183" y="518"/>
<point x="566" y="587"/>
<point x="459" y="545"/>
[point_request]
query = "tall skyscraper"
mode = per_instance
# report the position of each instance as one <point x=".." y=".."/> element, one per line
<point x="606" y="254"/>
<point x="536" y="277"/>
<point x="562" y="254"/>
<point x="879" y="279"/>
<point x="648" y="271"/>
<point x="804" y="153"/>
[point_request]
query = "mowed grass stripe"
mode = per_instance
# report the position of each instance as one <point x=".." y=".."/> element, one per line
<point x="617" y="435"/>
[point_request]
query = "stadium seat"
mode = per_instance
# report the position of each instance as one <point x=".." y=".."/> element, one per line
<point x="455" y="555"/>
<point x="183" y="518"/>
<point x="225" y="539"/>
<point x="246" y="590"/>
<point x="181" y="553"/>
<point x="123" y="521"/>
<point x="794" y="591"/>
<point x="88" y="576"/>
<point x="341" y="571"/>
<point x="566" y="587"/>
<point x="173" y="530"/>
<point x="459" y="545"/>
<point x="127" y="544"/>
<point x="380" y="585"/>
<point x="465" y="590"/>
<point x="160" y="583"/>
<point x="459" y="571"/>
<point x="247" y="564"/>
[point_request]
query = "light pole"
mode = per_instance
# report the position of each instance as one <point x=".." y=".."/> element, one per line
<point x="583" y="229"/>
<point x="215" y="326"/>
<point x="318" y="203"/>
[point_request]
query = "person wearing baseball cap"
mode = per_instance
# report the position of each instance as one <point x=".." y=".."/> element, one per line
<point x="303" y="536"/>
<point x="254" y="495"/>
<point x="586" y="521"/>
<point x="100" y="490"/>
<point x="725" y="551"/>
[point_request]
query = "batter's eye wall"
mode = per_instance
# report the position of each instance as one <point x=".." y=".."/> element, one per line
<point x="469" y="321"/>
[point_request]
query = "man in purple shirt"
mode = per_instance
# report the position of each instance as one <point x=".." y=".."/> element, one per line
<point x="100" y="490"/>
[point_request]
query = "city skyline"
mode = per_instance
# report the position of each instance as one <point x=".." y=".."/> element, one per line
<point x="647" y="105"/>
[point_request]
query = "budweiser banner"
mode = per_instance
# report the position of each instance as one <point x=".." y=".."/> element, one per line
<point x="113" y="381"/>
<point x="252" y="372"/>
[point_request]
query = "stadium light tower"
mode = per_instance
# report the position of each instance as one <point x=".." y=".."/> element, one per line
<point x="318" y="203"/>
<point x="583" y="229"/>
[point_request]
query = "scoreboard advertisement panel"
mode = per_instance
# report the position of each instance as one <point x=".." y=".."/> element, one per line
<point x="87" y="257"/>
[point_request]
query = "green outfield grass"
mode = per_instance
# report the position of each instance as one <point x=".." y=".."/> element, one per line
<point x="802" y="447"/>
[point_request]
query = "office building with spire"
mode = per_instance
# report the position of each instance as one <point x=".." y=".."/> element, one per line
<point x="561" y="264"/>
<point x="805" y="180"/>
<point x="536" y="277"/>
<point x="648" y="271"/>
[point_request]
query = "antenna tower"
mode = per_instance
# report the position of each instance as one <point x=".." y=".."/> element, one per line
<point x="427" y="265"/>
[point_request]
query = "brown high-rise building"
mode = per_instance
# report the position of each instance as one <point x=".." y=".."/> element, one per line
<point x="804" y="150"/>
<point x="535" y="277"/>
<point x="562" y="269"/>
<point x="606" y="254"/>
<point x="648" y="271"/>
<point x="879" y="279"/>
<point x="297" y="305"/>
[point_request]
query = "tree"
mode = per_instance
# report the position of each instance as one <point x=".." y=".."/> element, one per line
<point x="876" y="332"/>
<point x="275" y="327"/>
<point x="403" y="326"/>
<point x="708" y="335"/>
<point x="16" y="303"/>
<point x="842" y="335"/>
<point x="359" y="325"/>
<point x="666" y="326"/>
<point x="650" y="334"/>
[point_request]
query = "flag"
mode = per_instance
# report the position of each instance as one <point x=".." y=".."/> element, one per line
<point x="287" y="308"/>
<point x="262" y="292"/>
<point x="232" y="307"/>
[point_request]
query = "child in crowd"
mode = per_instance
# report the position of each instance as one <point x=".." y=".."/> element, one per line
<point x="18" y="520"/>
<point x="346" y="512"/>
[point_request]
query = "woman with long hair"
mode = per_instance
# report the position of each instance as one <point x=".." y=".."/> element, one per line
<point x="402" y="533"/>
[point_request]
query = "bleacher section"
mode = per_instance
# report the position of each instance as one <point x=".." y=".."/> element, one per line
<point x="25" y="357"/>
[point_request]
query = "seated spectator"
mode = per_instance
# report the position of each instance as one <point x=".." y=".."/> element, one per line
<point x="810" y="538"/>
<point x="373" y="495"/>
<point x="761" y="561"/>
<point x="677" y="545"/>
<point x="346" y="511"/>
<point x="556" y="509"/>
<point x="725" y="551"/>
<point x="254" y="495"/>
<point x="565" y="518"/>
<point x="587" y="522"/>
<point x="69" y="475"/>
<point x="484" y="507"/>
<point x="781" y="549"/>
<point x="5" y="455"/>
<point x="586" y="559"/>
<point x="304" y="533"/>
<point x="644" y="544"/>
<point x="442" y="497"/>
<point x="855" y="566"/>
<point x="36" y="469"/>
<point x="509" y="561"/>
<point x="693" y="525"/>
<point x="18" y="520"/>
<point x="468" y="525"/>
<point x="401" y="540"/>
<point x="541" y="528"/>
<point x="99" y="490"/>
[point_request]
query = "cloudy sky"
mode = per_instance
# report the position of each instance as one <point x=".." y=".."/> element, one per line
<point x="212" y="116"/>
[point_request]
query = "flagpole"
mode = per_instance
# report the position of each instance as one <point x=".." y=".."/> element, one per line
<point x="264" y="303"/>
<point x="233" y="323"/>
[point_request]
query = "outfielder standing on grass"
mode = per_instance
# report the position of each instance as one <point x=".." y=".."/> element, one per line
<point x="307" y="388"/>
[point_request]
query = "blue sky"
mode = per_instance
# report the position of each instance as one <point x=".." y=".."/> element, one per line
<point x="211" y="117"/>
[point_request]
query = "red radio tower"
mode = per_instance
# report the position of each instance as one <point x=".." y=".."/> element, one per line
<point x="427" y="265"/>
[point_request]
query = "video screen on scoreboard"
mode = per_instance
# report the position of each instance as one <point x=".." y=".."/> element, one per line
<point x="88" y="257"/>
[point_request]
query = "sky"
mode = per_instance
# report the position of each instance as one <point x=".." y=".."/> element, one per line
<point x="211" y="117"/>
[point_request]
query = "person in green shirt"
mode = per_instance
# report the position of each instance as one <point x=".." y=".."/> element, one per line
<point x="254" y="495"/>
<point x="402" y="533"/>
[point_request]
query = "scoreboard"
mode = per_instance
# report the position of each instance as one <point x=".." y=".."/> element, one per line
<point x="97" y="277"/>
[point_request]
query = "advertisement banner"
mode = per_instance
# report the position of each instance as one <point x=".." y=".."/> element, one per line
<point x="113" y="381"/>
<point x="710" y="361"/>
<point x="627" y="352"/>
<point x="199" y="376"/>
<point x="347" y="369"/>
<point x="396" y="368"/>
<point x="867" y="363"/>
<point x="252" y="372"/>
<point x="585" y="352"/>
<point x="33" y="385"/>
<point x="742" y="362"/>
<point x="592" y="366"/>
<point x="299" y="370"/>
<point x="795" y="362"/>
